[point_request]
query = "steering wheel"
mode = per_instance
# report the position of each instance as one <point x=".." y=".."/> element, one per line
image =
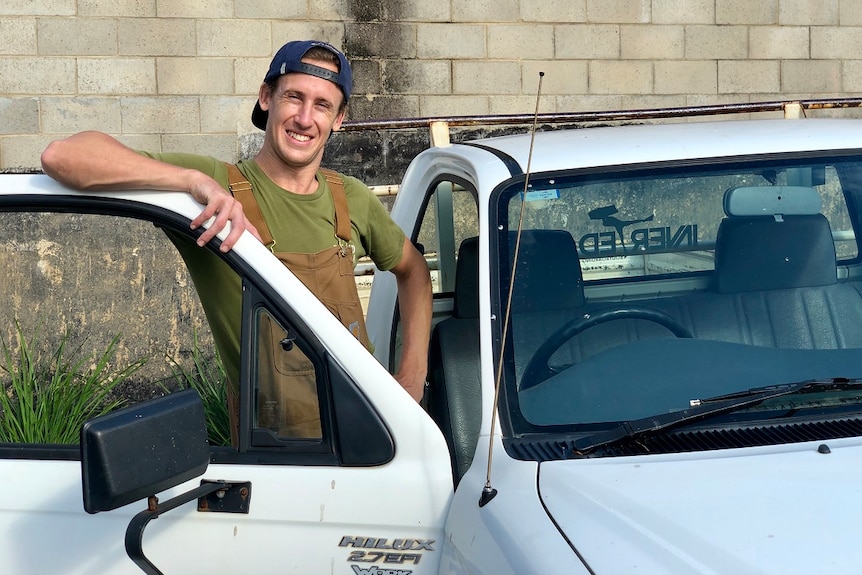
<point x="537" y="369"/>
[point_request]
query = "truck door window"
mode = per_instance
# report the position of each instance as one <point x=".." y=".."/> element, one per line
<point x="451" y="214"/>
<point x="87" y="296"/>
<point x="113" y="293"/>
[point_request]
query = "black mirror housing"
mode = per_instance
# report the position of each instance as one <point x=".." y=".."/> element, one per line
<point x="135" y="452"/>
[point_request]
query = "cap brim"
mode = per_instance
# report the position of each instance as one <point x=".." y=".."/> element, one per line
<point x="259" y="117"/>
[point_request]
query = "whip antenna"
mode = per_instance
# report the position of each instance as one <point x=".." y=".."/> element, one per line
<point x="488" y="492"/>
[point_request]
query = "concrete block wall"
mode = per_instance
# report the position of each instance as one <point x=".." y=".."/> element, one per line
<point x="183" y="74"/>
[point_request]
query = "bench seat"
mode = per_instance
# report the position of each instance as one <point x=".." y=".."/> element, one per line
<point x="823" y="317"/>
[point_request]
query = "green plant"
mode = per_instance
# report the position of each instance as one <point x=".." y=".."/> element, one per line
<point x="47" y="396"/>
<point x="207" y="375"/>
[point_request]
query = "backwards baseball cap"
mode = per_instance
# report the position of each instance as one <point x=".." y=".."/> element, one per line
<point x="289" y="59"/>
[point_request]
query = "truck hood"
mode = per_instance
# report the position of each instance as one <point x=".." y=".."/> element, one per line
<point x="782" y="509"/>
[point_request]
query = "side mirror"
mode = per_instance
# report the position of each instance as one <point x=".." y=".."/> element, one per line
<point x="135" y="452"/>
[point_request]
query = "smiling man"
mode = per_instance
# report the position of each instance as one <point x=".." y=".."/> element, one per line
<point x="287" y="201"/>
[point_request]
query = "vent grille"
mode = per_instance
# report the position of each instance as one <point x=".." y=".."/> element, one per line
<point x="694" y="440"/>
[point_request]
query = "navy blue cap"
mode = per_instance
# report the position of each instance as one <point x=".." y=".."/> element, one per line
<point x="289" y="59"/>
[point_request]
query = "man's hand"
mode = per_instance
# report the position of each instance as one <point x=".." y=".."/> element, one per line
<point x="222" y="206"/>
<point x="413" y="382"/>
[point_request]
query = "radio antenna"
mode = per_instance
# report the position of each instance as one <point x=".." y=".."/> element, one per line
<point x="488" y="492"/>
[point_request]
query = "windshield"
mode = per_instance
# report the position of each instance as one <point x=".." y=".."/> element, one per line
<point x="638" y="292"/>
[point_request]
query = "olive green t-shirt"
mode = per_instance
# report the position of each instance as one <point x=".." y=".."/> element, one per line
<point x="298" y="224"/>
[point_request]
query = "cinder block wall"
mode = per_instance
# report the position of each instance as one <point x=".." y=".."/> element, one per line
<point x="183" y="74"/>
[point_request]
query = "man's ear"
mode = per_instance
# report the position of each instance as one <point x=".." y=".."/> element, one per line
<point x="264" y="94"/>
<point x="339" y="119"/>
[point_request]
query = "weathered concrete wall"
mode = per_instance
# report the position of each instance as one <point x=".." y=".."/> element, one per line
<point x="88" y="279"/>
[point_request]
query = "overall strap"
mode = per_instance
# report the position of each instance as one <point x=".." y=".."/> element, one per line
<point x="339" y="198"/>
<point x="240" y="188"/>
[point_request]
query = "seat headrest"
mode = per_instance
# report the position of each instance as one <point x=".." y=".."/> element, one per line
<point x="548" y="273"/>
<point x="773" y="238"/>
<point x="750" y="201"/>
<point x="466" y="298"/>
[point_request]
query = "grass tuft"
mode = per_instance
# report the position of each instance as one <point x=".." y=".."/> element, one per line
<point x="208" y="377"/>
<point x="48" y="395"/>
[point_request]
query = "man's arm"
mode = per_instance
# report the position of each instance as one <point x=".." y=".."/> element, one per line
<point x="414" y="302"/>
<point x="96" y="161"/>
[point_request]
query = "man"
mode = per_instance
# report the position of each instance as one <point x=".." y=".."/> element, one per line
<point x="301" y="102"/>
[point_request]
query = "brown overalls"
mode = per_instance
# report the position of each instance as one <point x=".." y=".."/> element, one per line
<point x="287" y="388"/>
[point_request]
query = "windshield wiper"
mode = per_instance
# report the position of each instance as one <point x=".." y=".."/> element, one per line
<point x="706" y="408"/>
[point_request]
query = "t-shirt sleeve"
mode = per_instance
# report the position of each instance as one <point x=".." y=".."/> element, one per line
<point x="382" y="238"/>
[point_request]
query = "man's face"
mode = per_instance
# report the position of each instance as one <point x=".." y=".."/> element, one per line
<point x="303" y="111"/>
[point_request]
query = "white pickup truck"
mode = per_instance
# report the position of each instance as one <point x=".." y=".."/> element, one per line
<point x="646" y="358"/>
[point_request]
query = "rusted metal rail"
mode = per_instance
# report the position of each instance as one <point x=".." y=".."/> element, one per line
<point x="605" y="116"/>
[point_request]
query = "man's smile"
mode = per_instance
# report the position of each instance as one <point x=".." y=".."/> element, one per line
<point x="300" y="137"/>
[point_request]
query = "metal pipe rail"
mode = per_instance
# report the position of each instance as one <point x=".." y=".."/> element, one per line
<point x="791" y="108"/>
